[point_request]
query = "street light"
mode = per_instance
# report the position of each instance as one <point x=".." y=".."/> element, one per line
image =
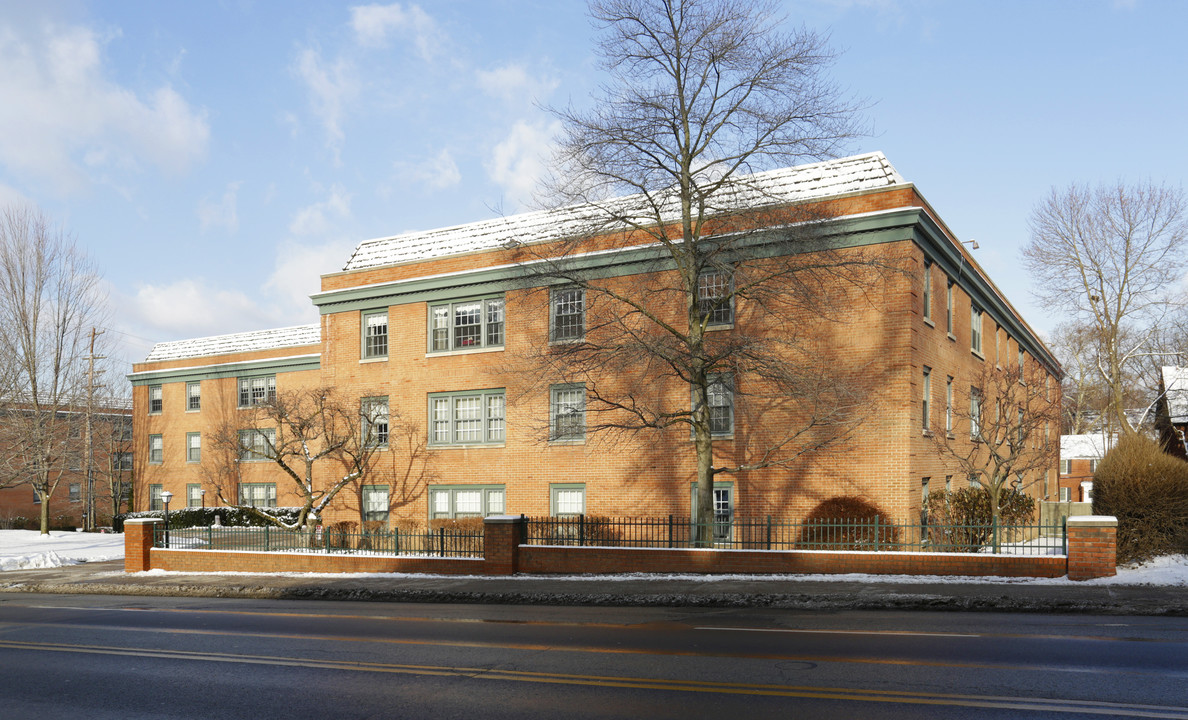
<point x="202" y="495"/>
<point x="166" y="496"/>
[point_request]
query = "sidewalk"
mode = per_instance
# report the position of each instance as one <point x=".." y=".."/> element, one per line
<point x="108" y="578"/>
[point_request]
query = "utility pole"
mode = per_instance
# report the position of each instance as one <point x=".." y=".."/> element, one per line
<point x="90" y="524"/>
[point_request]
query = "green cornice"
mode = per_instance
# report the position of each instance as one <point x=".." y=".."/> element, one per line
<point x="268" y="366"/>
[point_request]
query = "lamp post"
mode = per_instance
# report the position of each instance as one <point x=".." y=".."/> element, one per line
<point x="202" y="495"/>
<point x="166" y="496"/>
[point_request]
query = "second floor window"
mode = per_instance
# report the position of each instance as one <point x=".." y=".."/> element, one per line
<point x="257" y="390"/>
<point x="466" y="325"/>
<point x="567" y="314"/>
<point x="156" y="449"/>
<point x="193" y="447"/>
<point x="927" y="391"/>
<point x="715" y="297"/>
<point x="567" y="412"/>
<point x="467" y="418"/>
<point x="257" y="445"/>
<point x="375" y="421"/>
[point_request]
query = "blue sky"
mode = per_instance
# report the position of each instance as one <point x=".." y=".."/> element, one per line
<point x="216" y="157"/>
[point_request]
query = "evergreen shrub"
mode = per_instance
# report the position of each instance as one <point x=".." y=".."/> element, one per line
<point x="846" y="523"/>
<point x="1147" y="490"/>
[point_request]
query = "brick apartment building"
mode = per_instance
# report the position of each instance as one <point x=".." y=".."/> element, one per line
<point x="434" y="328"/>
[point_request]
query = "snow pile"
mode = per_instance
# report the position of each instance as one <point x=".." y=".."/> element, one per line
<point x="30" y="550"/>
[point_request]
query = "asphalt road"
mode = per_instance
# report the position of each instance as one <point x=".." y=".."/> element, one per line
<point x="125" y="657"/>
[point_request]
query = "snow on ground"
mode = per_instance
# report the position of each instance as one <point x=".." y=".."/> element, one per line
<point x="29" y="549"/>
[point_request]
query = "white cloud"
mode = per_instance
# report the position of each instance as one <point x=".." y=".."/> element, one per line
<point x="192" y="308"/>
<point x="436" y="173"/>
<point x="64" y="121"/>
<point x="298" y="272"/>
<point x="375" y="24"/>
<point x="223" y="213"/>
<point x="332" y="88"/>
<point x="514" y="85"/>
<point x="520" y="160"/>
<point x="317" y="219"/>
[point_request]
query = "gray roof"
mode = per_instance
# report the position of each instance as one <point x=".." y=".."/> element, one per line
<point x="236" y="343"/>
<point x="1175" y="386"/>
<point x="833" y="177"/>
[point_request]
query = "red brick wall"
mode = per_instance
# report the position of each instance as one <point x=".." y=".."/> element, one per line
<point x="1092" y="547"/>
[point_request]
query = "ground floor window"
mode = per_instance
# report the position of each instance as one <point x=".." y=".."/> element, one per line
<point x="155" y="502"/>
<point x="257" y="494"/>
<point x="723" y="509"/>
<point x="375" y="503"/>
<point x="567" y="499"/>
<point x="1065" y="494"/>
<point x="194" y="495"/>
<point x="459" y="501"/>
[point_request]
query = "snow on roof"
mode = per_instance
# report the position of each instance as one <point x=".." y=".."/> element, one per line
<point x="1175" y="386"/>
<point x="236" y="343"/>
<point x="832" y="177"/>
<point x="1084" y="447"/>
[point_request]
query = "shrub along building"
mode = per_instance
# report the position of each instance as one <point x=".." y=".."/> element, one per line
<point x="476" y="360"/>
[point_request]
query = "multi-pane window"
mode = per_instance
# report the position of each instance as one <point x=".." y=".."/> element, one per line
<point x="75" y="492"/>
<point x="975" y="412"/>
<point x="927" y="291"/>
<point x="156" y="449"/>
<point x="194" y="495"/>
<point x="715" y="295"/>
<point x="949" y="406"/>
<point x="1066" y="466"/>
<point x="257" y="390"/>
<point x="375" y="334"/>
<point x="1022" y="433"/>
<point x="193" y="447"/>
<point x="567" y="314"/>
<point x="258" y="494"/>
<point x="927" y="392"/>
<point x="193" y="396"/>
<point x="155" y="403"/>
<point x="567" y="499"/>
<point x="720" y="397"/>
<point x="467" y="418"/>
<point x="465" y="501"/>
<point x="1022" y="354"/>
<point x="155" y="501"/>
<point x="949" y="307"/>
<point x="374" y="412"/>
<point x="375" y="503"/>
<point x="466" y="325"/>
<point x="1092" y="466"/>
<point x="256" y="445"/>
<point x="975" y="329"/>
<point x="567" y="412"/>
<point x="121" y="461"/>
<point x="1065" y="494"/>
<point x="723" y="509"/>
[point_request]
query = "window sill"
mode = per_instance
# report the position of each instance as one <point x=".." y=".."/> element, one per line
<point x="929" y="323"/>
<point x="977" y="354"/>
<point x="463" y="446"/>
<point x="952" y="337"/>
<point x="721" y="326"/>
<point x="467" y="351"/>
<point x="365" y="361"/>
<point x="576" y="441"/>
<point x="926" y="433"/>
<point x="194" y="411"/>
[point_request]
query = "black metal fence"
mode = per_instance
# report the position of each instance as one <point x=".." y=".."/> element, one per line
<point x="771" y="534"/>
<point x="443" y="542"/>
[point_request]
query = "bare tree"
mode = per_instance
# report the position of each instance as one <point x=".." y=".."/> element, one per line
<point x="1008" y="434"/>
<point x="49" y="301"/>
<point x="702" y="94"/>
<point x="301" y="432"/>
<point x="1112" y="258"/>
<point x="405" y="468"/>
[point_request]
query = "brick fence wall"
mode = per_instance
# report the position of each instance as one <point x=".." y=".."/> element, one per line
<point x="1090" y="555"/>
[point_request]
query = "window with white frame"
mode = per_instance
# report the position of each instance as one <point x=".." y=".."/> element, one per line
<point x="715" y="295"/>
<point x="723" y="494"/>
<point x="156" y="449"/>
<point x="461" y="501"/>
<point x="466" y="325"/>
<point x="155" y="501"/>
<point x="155" y="403"/>
<point x="1092" y="466"/>
<point x="567" y="314"/>
<point x="375" y="334"/>
<point x="194" y="495"/>
<point x="256" y="445"/>
<point x="375" y="503"/>
<point x="258" y="494"/>
<point x="567" y="412"/>
<point x="975" y="412"/>
<point x="467" y="418"/>
<point x="567" y="499"/>
<point x="975" y="329"/>
<point x="193" y="396"/>
<point x="1066" y="466"/>
<point x="1065" y="494"/>
<point x="374" y="412"/>
<point x="949" y="406"/>
<point x="926" y="396"/>
<point x="257" y="390"/>
<point x="927" y="290"/>
<point x="193" y="447"/>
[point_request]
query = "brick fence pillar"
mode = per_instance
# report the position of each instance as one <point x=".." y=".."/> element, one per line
<point x="1092" y="546"/>
<point x="138" y="541"/>
<point x="502" y="535"/>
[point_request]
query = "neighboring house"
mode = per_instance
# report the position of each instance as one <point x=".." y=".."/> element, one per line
<point x="111" y="465"/>
<point x="1079" y="456"/>
<point x="1171" y="411"/>
<point x="431" y="326"/>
